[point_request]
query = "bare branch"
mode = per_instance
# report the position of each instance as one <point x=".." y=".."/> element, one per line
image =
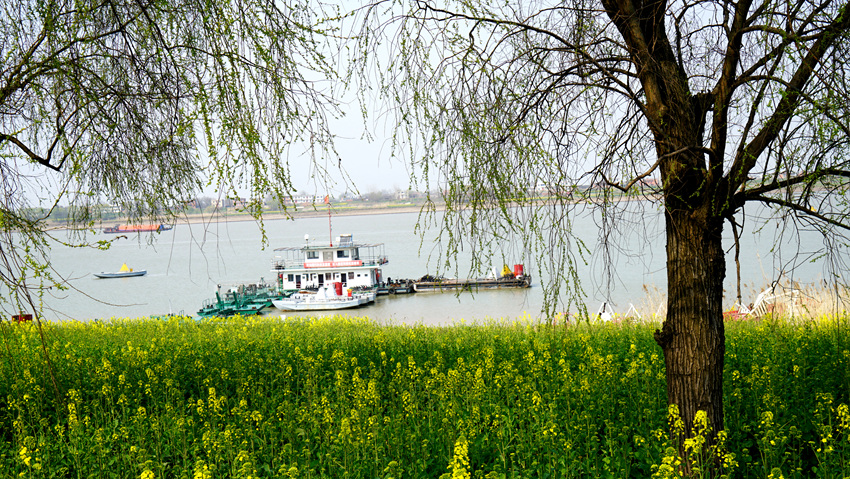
<point x="15" y="141"/>
<point x="746" y="159"/>
<point x="801" y="209"/>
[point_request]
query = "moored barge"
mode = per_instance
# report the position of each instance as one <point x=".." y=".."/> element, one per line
<point x="508" y="279"/>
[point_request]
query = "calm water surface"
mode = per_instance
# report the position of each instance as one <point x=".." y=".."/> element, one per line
<point x="186" y="264"/>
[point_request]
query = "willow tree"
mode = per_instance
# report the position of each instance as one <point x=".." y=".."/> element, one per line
<point x="699" y="106"/>
<point x="136" y="104"/>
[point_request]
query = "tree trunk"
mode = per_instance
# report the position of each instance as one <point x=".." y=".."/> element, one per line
<point x="693" y="337"/>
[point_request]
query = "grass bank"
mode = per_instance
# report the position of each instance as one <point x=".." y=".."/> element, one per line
<point x="341" y="397"/>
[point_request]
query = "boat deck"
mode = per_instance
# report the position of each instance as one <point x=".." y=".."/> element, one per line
<point x="444" y="284"/>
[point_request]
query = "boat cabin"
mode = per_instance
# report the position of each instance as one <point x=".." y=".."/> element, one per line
<point x="312" y="265"/>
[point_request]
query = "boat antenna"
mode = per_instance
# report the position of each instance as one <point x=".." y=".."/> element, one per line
<point x="330" y="231"/>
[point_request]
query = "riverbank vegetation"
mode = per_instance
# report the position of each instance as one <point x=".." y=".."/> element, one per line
<point x="345" y="397"/>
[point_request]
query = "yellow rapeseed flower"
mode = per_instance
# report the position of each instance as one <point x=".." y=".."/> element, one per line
<point x="460" y="461"/>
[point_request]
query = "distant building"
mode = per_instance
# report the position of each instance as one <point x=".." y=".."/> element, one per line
<point x="231" y="203"/>
<point x="306" y="200"/>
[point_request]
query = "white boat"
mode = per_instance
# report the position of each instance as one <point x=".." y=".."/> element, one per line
<point x="323" y="299"/>
<point x="311" y="266"/>
<point x="124" y="272"/>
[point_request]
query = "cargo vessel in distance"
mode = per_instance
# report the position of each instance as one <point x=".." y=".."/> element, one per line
<point x="136" y="228"/>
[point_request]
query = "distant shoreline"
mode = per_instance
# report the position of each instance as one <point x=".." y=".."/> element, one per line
<point x="234" y="217"/>
<point x="294" y="215"/>
<point x="295" y="212"/>
<point x="305" y="211"/>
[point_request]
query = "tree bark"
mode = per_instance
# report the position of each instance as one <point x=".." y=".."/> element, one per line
<point x="692" y="336"/>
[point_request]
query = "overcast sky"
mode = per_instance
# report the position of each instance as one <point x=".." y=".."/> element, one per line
<point x="368" y="162"/>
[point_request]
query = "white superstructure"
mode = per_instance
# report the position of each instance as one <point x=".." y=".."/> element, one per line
<point x="312" y="265"/>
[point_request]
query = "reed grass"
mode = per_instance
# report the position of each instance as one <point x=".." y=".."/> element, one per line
<point x="791" y="300"/>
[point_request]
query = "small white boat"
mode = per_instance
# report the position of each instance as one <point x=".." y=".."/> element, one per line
<point x="324" y="299"/>
<point x="124" y="272"/>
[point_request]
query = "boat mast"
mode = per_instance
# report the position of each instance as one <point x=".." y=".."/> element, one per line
<point x="330" y="231"/>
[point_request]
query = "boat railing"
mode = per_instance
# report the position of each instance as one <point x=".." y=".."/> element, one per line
<point x="209" y="303"/>
<point x="280" y="264"/>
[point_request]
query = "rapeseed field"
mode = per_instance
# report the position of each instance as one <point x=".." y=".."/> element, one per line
<point x="345" y="397"/>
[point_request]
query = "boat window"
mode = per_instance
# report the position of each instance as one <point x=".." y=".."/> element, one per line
<point x="342" y="253"/>
<point x="290" y="278"/>
<point x="312" y="255"/>
<point x="351" y="275"/>
<point x="327" y="256"/>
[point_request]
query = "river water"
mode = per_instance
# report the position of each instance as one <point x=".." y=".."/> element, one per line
<point x="186" y="264"/>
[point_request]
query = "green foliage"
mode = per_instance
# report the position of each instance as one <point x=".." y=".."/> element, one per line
<point x="341" y="397"/>
<point x="137" y="105"/>
<point x="499" y="105"/>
